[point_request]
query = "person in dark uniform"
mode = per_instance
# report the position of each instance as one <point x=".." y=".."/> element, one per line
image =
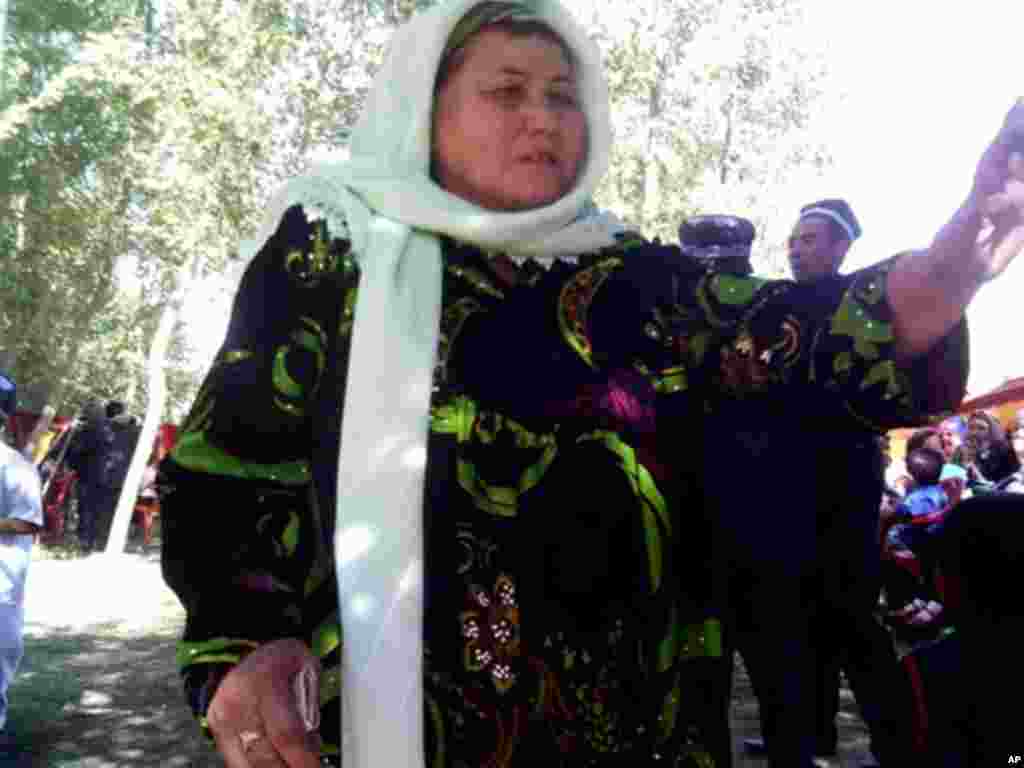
<point x="100" y="454"/>
<point x="721" y="244"/>
<point x="842" y="579"/>
<point x="89" y="444"/>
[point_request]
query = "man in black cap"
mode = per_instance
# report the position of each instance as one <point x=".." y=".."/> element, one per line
<point x="842" y="502"/>
<point x="821" y="238"/>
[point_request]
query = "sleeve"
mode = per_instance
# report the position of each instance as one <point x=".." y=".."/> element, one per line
<point x="78" y="447"/>
<point x="725" y="338"/>
<point x="240" y="534"/>
<point x="22" y="494"/>
<point x="905" y="509"/>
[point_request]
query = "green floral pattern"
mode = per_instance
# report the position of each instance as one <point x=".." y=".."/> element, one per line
<point x="559" y="628"/>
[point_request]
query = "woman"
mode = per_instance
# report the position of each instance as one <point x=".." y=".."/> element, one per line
<point x="564" y="585"/>
<point x="980" y="425"/>
<point x="994" y="454"/>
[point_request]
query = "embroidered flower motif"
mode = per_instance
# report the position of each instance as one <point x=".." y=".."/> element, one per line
<point x="748" y="366"/>
<point x="623" y="401"/>
<point x="490" y="627"/>
<point x="742" y="369"/>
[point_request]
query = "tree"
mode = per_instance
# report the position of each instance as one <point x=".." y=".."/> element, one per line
<point x="714" y="103"/>
<point x="150" y="140"/>
<point x="138" y="143"/>
<point x="54" y="248"/>
<point x="145" y="139"/>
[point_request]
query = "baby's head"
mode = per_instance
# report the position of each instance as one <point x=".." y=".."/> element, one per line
<point x="925" y="466"/>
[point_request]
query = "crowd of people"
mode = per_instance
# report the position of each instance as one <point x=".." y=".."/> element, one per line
<point x="960" y="459"/>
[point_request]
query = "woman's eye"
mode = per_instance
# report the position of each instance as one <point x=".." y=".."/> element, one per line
<point x="564" y="99"/>
<point x="507" y="93"/>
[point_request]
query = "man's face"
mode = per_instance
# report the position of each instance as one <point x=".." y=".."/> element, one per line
<point x="813" y="254"/>
<point x="978" y="430"/>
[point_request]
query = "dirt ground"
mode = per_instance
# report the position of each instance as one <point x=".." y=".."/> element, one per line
<point x="99" y="688"/>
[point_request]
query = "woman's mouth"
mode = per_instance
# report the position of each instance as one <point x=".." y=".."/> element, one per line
<point x="542" y="158"/>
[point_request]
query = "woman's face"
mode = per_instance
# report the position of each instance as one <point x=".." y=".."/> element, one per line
<point x="949" y="439"/>
<point x="978" y="430"/>
<point x="509" y="131"/>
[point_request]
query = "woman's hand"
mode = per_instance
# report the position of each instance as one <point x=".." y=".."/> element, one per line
<point x="929" y="290"/>
<point x="998" y="194"/>
<point x="265" y="711"/>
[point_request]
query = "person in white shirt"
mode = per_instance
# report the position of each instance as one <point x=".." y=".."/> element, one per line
<point x="21" y="517"/>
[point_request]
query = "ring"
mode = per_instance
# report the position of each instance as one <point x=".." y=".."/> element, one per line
<point x="248" y="738"/>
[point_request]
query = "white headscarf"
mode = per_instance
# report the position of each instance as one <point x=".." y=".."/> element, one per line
<point x="395" y="213"/>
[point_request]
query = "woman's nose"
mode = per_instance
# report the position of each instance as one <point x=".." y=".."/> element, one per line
<point x="540" y="114"/>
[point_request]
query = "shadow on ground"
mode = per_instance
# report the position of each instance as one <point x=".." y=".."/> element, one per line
<point x="91" y="700"/>
<point x="99" y="687"/>
<point x="98" y="699"/>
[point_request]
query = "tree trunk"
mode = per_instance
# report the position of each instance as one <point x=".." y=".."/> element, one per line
<point x="652" y="168"/>
<point x="723" y="156"/>
<point x="3" y="40"/>
<point x="118" y="537"/>
<point x="650" y="196"/>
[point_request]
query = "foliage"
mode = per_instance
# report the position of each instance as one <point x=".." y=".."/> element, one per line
<point x="714" y="103"/>
<point x="141" y="142"/>
<point x="138" y="134"/>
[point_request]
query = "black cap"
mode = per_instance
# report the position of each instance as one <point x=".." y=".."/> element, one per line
<point x="838" y="212"/>
<point x="718" y="242"/>
<point x="716" y="229"/>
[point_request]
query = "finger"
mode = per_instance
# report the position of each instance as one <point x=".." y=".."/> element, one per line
<point x="1006" y="207"/>
<point x="1016" y="165"/>
<point x="261" y="753"/>
<point x="257" y="753"/>
<point x="1007" y="246"/>
<point x="288" y="733"/>
<point x="1000" y="243"/>
<point x="230" y="748"/>
<point x="997" y="204"/>
<point x="1013" y="125"/>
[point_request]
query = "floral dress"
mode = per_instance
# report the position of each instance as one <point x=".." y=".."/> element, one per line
<point x="570" y="598"/>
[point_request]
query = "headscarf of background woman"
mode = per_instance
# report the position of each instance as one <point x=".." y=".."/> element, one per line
<point x="995" y="455"/>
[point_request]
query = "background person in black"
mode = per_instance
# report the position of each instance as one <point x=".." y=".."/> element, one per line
<point x="838" y="573"/>
<point x="100" y="453"/>
<point x="713" y="243"/>
<point x="125" y="433"/>
<point x="84" y="455"/>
